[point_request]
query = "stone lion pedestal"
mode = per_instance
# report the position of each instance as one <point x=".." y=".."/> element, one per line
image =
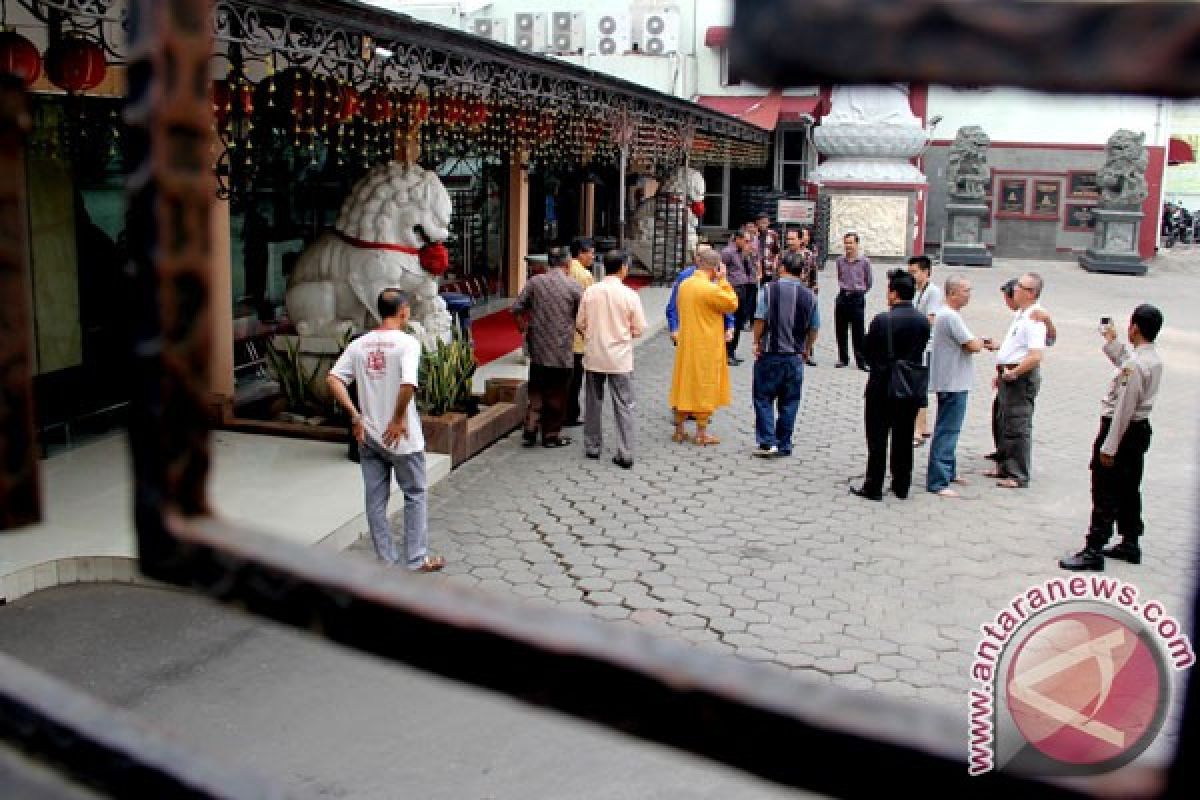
<point x="1115" y="247"/>
<point x="964" y="235"/>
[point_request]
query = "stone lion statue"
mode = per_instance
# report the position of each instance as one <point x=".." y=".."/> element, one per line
<point x="1122" y="179"/>
<point x="388" y="235"/>
<point x="683" y="181"/>
<point x="966" y="168"/>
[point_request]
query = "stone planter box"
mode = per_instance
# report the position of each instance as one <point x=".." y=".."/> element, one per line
<point x="447" y="434"/>
<point x="490" y="424"/>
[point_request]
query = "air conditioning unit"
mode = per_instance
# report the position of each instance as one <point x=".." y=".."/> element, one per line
<point x="530" y="34"/>
<point x="658" y="30"/>
<point x="566" y="32"/>
<point x="614" y="33"/>
<point x="490" y="28"/>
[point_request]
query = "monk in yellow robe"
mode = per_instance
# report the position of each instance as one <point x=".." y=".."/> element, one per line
<point x="700" y="383"/>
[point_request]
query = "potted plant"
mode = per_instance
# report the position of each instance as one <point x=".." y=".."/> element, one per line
<point x="443" y="394"/>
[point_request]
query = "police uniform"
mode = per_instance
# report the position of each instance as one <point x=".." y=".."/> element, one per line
<point x="1124" y="435"/>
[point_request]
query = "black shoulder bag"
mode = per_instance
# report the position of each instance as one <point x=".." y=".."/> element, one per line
<point x="907" y="381"/>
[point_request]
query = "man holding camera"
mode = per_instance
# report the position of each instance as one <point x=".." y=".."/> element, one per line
<point x="1119" y="451"/>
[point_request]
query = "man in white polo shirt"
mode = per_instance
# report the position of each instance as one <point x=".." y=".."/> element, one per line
<point x="384" y="364"/>
<point x="1018" y="378"/>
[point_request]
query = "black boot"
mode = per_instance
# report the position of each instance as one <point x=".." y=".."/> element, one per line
<point x="1085" y="559"/>
<point x="1125" y="551"/>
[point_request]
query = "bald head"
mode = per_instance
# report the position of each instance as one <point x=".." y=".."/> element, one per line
<point x="707" y="258"/>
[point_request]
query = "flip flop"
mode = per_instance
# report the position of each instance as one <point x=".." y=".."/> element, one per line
<point x="1008" y="483"/>
<point x="995" y="473"/>
<point x="680" y="437"/>
<point x="431" y="564"/>
<point x="706" y="440"/>
<point x="948" y="493"/>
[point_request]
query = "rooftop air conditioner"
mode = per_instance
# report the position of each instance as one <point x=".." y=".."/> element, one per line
<point x="566" y="32"/>
<point x="658" y="30"/>
<point x="489" y="28"/>
<point x="530" y="32"/>
<point x="614" y="33"/>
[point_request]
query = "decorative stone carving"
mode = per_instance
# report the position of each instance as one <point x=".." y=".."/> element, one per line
<point x="881" y="222"/>
<point x="966" y="168"/>
<point x="869" y="136"/>
<point x="1122" y="179"/>
<point x="689" y="184"/>
<point x="376" y="245"/>
<point x="1122" y="182"/>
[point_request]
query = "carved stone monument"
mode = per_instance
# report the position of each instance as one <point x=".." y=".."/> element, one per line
<point x="1122" y="183"/>
<point x="688" y="185"/>
<point x="967" y="175"/>
<point x="867" y="142"/>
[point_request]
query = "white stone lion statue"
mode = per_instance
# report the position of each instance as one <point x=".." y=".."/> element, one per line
<point x="388" y="235"/>
<point x="684" y="181"/>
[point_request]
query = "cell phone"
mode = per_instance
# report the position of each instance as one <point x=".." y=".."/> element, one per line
<point x="1105" y="323"/>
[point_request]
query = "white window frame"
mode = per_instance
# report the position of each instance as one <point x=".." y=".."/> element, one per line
<point x="723" y="195"/>
<point x="725" y="70"/>
<point x="806" y="162"/>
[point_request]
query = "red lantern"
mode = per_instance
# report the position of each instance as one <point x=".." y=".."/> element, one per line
<point x="19" y="56"/>
<point x="222" y="101"/>
<point x="453" y="110"/>
<point x="349" y="102"/>
<point x="418" y="109"/>
<point x="76" y="64"/>
<point x="377" y="106"/>
<point x="477" y="113"/>
<point x="697" y="208"/>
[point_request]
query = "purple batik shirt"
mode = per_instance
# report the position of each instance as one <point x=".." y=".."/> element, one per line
<point x="854" y="276"/>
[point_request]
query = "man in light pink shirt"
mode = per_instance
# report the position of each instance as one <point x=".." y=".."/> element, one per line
<point x="610" y="318"/>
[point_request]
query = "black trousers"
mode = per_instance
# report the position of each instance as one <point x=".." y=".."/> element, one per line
<point x="547" y="401"/>
<point x="884" y="418"/>
<point x="1117" y="490"/>
<point x="574" y="411"/>
<point x="849" y="311"/>
<point x="747" y="298"/>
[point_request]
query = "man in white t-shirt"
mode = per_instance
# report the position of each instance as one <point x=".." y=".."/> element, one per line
<point x="384" y="364"/>
<point x="950" y="374"/>
<point x="928" y="300"/>
<point x="1018" y="379"/>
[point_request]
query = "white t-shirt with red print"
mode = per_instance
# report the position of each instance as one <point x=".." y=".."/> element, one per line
<point x="380" y="362"/>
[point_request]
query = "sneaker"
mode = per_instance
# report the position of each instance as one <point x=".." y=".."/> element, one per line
<point x="1085" y="559"/>
<point x="766" y="451"/>
<point x="1125" y="552"/>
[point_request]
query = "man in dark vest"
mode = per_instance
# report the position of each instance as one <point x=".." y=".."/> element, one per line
<point x="785" y="330"/>
<point x="899" y="334"/>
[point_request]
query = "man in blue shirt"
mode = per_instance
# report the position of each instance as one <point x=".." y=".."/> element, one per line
<point x="673" y="307"/>
<point x="785" y="329"/>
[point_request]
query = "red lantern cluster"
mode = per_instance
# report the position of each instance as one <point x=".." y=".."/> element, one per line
<point x="230" y="96"/>
<point x="76" y="64"/>
<point x="20" y="57"/>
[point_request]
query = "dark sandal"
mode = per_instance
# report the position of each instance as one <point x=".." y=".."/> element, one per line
<point x="561" y="441"/>
<point x="431" y="564"/>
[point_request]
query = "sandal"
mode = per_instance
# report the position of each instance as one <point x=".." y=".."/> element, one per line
<point x="995" y="473"/>
<point x="1008" y="483"/>
<point x="558" y="441"/>
<point x="431" y="564"/>
<point x="705" y="440"/>
<point x="680" y="436"/>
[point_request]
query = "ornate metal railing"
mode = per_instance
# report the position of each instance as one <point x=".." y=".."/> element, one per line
<point x="820" y="738"/>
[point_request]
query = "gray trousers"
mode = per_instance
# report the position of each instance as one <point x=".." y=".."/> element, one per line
<point x="623" y="406"/>
<point x="377" y="468"/>
<point x="1014" y="408"/>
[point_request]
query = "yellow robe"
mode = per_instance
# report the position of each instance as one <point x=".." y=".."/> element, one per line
<point x="700" y="383"/>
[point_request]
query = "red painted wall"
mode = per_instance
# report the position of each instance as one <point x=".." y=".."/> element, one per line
<point x="1157" y="157"/>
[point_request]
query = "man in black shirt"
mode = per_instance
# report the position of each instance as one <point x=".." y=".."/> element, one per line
<point x="899" y="334"/>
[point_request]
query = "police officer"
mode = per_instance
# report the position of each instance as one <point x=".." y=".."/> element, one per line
<point x="1121" y="445"/>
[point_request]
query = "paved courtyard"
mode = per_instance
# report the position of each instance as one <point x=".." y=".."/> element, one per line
<point x="775" y="562"/>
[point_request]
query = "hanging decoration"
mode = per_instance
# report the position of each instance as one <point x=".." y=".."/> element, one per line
<point x="76" y="64"/>
<point x="20" y="57"/>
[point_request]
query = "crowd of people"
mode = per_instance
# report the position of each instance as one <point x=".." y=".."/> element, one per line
<point x="580" y="336"/>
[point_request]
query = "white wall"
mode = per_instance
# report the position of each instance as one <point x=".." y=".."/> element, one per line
<point x="1017" y="115"/>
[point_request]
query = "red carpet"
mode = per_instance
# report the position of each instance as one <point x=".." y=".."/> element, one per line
<point x="496" y="334"/>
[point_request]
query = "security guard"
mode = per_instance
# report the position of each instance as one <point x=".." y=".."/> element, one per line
<point x="1120" y="448"/>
